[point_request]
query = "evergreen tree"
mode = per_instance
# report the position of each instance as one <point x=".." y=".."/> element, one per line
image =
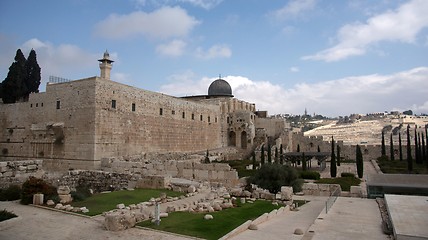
<point x="262" y="155"/>
<point x="391" y="149"/>
<point x="13" y="87"/>
<point x="426" y="144"/>
<point x="207" y="158"/>
<point x="319" y="150"/>
<point x="422" y="147"/>
<point x="281" y="157"/>
<point x="399" y="146"/>
<point x="409" y="152"/>
<point x="254" y="159"/>
<point x="333" y="167"/>
<point x="298" y="147"/>
<point x="338" y="155"/>
<point x="33" y="73"/>
<point x="269" y="154"/>
<point x="359" y="161"/>
<point x="304" y="162"/>
<point x="383" y="144"/>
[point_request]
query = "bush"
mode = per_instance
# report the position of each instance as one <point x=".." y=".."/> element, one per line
<point x="11" y="193"/>
<point x="273" y="176"/>
<point x="81" y="193"/>
<point x="5" y="215"/>
<point x="347" y="174"/>
<point x="297" y="185"/>
<point x="35" y="185"/>
<point x="310" y="175"/>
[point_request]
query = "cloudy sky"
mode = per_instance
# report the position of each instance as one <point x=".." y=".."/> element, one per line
<point x="332" y="57"/>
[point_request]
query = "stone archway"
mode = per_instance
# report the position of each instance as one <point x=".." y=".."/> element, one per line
<point x="244" y="140"/>
<point x="232" y="138"/>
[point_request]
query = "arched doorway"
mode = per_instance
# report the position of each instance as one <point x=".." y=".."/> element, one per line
<point x="232" y="139"/>
<point x="244" y="140"/>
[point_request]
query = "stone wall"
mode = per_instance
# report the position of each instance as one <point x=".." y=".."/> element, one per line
<point x="321" y="189"/>
<point x="212" y="172"/>
<point x="17" y="172"/>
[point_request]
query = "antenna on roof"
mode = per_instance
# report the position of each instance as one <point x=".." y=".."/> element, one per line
<point x="219" y="76"/>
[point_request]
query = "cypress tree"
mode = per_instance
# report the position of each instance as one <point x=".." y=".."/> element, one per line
<point x="14" y="87"/>
<point x="319" y="150"/>
<point x="400" y="147"/>
<point x="333" y="167"/>
<point x="359" y="161"/>
<point x="281" y="158"/>
<point x="32" y="80"/>
<point x="383" y="144"/>
<point x="298" y="150"/>
<point x="269" y="154"/>
<point x="409" y="152"/>
<point x="254" y="159"/>
<point x="391" y="149"/>
<point x="423" y="153"/>
<point x="262" y="155"/>
<point x="303" y="162"/>
<point x="426" y="143"/>
<point x="338" y="155"/>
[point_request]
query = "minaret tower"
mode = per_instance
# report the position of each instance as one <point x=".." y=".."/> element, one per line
<point x="105" y="66"/>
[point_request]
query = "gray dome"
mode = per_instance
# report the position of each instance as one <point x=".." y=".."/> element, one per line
<point x="220" y="88"/>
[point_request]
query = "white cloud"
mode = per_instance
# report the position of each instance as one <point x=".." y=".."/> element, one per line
<point x="359" y="94"/>
<point x="64" y="60"/>
<point x="175" y="48"/>
<point x="162" y="23"/>
<point x="401" y="25"/>
<point x="216" y="51"/>
<point x="206" y="4"/>
<point x="294" y="69"/>
<point x="293" y="9"/>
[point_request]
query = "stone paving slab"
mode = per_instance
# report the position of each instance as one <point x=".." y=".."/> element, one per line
<point x="37" y="223"/>
<point x="350" y="218"/>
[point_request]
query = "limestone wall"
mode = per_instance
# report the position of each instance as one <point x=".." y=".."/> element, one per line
<point x="17" y="172"/>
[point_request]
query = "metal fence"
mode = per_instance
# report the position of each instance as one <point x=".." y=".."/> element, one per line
<point x="55" y="79"/>
<point x="331" y="200"/>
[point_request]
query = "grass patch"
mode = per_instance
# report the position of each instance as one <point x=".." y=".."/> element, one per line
<point x="5" y="215"/>
<point x="344" y="182"/>
<point x="400" y="167"/>
<point x="102" y="202"/>
<point x="193" y="224"/>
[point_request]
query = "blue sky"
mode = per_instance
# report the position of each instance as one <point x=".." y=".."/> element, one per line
<point x="332" y="57"/>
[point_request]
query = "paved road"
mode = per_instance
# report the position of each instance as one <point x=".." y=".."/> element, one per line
<point x="283" y="226"/>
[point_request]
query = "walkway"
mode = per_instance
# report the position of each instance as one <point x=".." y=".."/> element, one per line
<point x="283" y="226"/>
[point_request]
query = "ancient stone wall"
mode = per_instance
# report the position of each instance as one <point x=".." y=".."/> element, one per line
<point x="17" y="172"/>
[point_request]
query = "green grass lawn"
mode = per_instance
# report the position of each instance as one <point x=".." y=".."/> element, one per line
<point x="344" y="182"/>
<point x="193" y="224"/>
<point x="397" y="166"/>
<point x="102" y="202"/>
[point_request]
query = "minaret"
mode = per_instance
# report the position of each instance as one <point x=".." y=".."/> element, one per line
<point x="105" y="66"/>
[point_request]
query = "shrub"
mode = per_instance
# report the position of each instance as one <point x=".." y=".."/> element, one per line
<point x="347" y="174"/>
<point x="5" y="215"/>
<point x="297" y="185"/>
<point x="310" y="175"/>
<point x="35" y="185"/>
<point x="273" y="176"/>
<point x="81" y="193"/>
<point x="13" y="192"/>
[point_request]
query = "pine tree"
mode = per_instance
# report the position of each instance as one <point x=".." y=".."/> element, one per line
<point x="333" y="167"/>
<point x="269" y="154"/>
<point x="383" y="144"/>
<point x="13" y="87"/>
<point x="391" y="149"/>
<point x="409" y="152"/>
<point x="262" y="156"/>
<point x="32" y="80"/>
<point x="359" y="161"/>
<point x="399" y="146"/>
<point x="338" y="155"/>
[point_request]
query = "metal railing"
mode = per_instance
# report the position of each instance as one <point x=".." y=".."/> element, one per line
<point x="331" y="200"/>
